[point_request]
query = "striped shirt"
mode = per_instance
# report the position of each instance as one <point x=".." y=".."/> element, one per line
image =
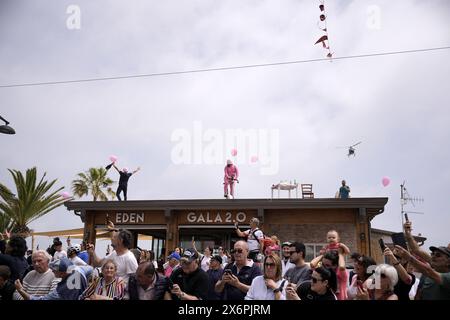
<point x="114" y="290"/>
<point x="37" y="284"/>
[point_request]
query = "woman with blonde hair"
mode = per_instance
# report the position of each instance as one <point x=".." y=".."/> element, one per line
<point x="380" y="285"/>
<point x="107" y="287"/>
<point x="271" y="285"/>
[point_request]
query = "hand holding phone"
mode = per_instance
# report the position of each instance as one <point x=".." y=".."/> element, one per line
<point x="170" y="283"/>
<point x="382" y="245"/>
<point x="359" y="284"/>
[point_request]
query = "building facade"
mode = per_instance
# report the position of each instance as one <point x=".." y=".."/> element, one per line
<point x="173" y="223"/>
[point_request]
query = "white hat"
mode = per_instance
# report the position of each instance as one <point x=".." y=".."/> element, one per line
<point x="229" y="162"/>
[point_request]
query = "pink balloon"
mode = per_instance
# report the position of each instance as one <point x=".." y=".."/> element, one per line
<point x="385" y="181"/>
<point x="254" y="159"/>
<point x="65" y="195"/>
<point x="113" y="158"/>
<point x="234" y="152"/>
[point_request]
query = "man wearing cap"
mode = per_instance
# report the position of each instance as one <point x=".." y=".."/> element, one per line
<point x="74" y="280"/>
<point x="286" y="264"/>
<point x="230" y="178"/>
<point x="435" y="281"/>
<point x="214" y="272"/>
<point x="190" y="282"/>
<point x="123" y="181"/>
<point x="173" y="263"/>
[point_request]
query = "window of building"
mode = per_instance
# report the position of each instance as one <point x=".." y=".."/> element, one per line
<point x="313" y="250"/>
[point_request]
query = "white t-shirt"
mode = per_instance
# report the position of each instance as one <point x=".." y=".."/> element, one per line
<point x="126" y="264"/>
<point x="253" y="243"/>
<point x="259" y="291"/>
<point x="78" y="261"/>
<point x="59" y="254"/>
<point x="205" y="261"/>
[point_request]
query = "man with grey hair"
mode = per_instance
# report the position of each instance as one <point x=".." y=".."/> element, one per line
<point x="41" y="280"/>
<point x="255" y="239"/>
<point x="238" y="275"/>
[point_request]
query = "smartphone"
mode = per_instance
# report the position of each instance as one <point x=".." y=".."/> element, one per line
<point x="193" y="238"/>
<point x="382" y="245"/>
<point x="406" y="217"/>
<point x="359" y="283"/>
<point x="227" y="271"/>
<point x="170" y="283"/>
<point x="399" y="240"/>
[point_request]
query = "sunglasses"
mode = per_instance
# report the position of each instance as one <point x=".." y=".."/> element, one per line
<point x="314" y="280"/>
<point x="437" y="254"/>
<point x="237" y="251"/>
<point x="269" y="264"/>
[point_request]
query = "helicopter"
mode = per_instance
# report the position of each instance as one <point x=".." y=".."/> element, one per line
<point x="351" y="149"/>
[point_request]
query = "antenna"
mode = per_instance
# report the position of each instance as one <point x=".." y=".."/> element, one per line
<point x="404" y="198"/>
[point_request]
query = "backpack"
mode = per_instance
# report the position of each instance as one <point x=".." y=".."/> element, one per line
<point x="267" y="241"/>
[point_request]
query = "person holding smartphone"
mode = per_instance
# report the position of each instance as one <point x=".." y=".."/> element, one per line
<point x="271" y="285"/>
<point x="363" y="270"/>
<point x="405" y="279"/>
<point x="236" y="284"/>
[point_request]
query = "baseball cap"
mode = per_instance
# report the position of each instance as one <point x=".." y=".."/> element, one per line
<point x="217" y="258"/>
<point x="190" y="254"/>
<point x="286" y="243"/>
<point x="442" y="249"/>
<point x="175" y="255"/>
<point x="60" y="265"/>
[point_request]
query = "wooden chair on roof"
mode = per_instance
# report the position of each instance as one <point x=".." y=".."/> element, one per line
<point x="307" y="191"/>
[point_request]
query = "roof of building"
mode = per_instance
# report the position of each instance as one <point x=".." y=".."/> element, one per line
<point x="373" y="206"/>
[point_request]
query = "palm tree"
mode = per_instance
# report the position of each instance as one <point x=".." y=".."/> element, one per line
<point x="94" y="181"/>
<point x="5" y="223"/>
<point x="30" y="203"/>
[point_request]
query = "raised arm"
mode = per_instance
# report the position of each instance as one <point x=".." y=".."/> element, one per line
<point x="412" y="244"/>
<point x="402" y="273"/>
<point x="239" y="232"/>
<point x="138" y="168"/>
<point x="315" y="262"/>
<point x="424" y="268"/>
<point x="114" y="165"/>
<point x="96" y="261"/>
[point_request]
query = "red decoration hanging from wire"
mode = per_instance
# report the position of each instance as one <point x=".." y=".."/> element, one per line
<point x="322" y="25"/>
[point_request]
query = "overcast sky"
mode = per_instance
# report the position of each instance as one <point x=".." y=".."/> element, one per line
<point x="396" y="105"/>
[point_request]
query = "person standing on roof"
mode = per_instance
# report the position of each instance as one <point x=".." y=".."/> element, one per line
<point x="230" y="178"/>
<point x="123" y="181"/>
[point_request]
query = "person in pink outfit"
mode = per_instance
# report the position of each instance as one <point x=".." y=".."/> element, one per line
<point x="230" y="178"/>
